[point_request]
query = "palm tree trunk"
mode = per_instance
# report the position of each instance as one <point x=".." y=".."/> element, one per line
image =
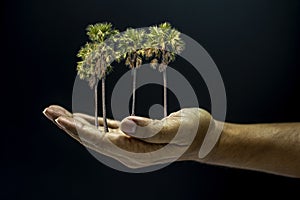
<point x="103" y="106"/>
<point x="96" y="103"/>
<point x="165" y="92"/>
<point x="133" y="91"/>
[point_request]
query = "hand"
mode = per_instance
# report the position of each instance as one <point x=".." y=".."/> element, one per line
<point x="137" y="141"/>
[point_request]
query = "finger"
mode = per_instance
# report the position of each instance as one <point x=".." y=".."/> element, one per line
<point x="78" y="127"/>
<point x="54" y="111"/>
<point x="65" y="125"/>
<point x="149" y="130"/>
<point x="80" y="130"/>
<point x="113" y="124"/>
<point x="97" y="140"/>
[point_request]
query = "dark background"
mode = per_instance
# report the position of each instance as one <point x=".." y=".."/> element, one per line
<point x="254" y="43"/>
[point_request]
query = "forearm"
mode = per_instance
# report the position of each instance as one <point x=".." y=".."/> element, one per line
<point x="273" y="148"/>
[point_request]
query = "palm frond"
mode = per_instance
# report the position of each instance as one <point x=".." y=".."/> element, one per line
<point x="100" y="32"/>
<point x="131" y="46"/>
<point x="165" y="25"/>
<point x="163" y="43"/>
<point x="97" y="55"/>
<point x="162" y="67"/>
<point x="153" y="63"/>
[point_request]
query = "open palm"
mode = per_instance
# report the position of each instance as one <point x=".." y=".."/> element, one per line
<point x="136" y="135"/>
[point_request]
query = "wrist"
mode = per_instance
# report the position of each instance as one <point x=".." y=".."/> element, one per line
<point x="206" y="142"/>
<point x="219" y="137"/>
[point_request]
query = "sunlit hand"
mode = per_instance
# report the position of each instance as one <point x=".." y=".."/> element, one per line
<point x="136" y="135"/>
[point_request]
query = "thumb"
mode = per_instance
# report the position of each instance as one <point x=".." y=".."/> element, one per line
<point x="149" y="130"/>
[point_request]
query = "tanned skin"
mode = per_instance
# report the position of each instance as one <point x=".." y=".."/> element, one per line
<point x="272" y="148"/>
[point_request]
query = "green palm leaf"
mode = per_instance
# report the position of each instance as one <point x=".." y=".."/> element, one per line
<point x="131" y="47"/>
<point x="163" y="43"/>
<point x="96" y="51"/>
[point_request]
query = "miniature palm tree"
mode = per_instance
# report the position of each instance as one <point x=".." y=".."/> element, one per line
<point x="163" y="43"/>
<point x="95" y="65"/>
<point x="131" y="43"/>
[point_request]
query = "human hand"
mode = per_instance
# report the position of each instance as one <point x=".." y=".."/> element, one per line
<point x="137" y="141"/>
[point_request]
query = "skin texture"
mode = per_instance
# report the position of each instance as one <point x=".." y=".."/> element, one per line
<point x="271" y="148"/>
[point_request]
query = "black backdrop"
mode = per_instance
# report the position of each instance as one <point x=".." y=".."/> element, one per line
<point x="254" y="43"/>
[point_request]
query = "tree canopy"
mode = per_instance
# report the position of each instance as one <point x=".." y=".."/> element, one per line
<point x="96" y="56"/>
<point x="163" y="42"/>
<point x="131" y="44"/>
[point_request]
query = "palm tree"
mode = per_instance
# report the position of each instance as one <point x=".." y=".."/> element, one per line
<point x="163" y="43"/>
<point x="131" y="43"/>
<point x="95" y="65"/>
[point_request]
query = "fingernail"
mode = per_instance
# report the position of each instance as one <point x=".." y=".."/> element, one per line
<point x="128" y="126"/>
<point x="140" y="121"/>
<point x="59" y="124"/>
<point x="46" y="113"/>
